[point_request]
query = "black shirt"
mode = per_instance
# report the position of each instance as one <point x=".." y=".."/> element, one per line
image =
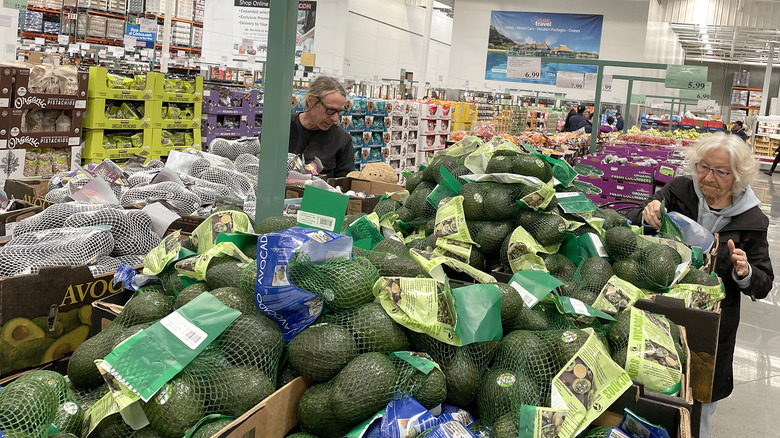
<point x="578" y="121"/>
<point x="333" y="147"/>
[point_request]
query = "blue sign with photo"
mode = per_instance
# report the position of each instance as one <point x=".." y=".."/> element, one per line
<point x="541" y="35"/>
<point x="147" y="38"/>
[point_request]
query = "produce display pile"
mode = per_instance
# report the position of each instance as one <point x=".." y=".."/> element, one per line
<point x="384" y="321"/>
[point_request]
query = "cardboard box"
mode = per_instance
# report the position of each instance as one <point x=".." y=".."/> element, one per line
<point x="630" y="190"/>
<point x="21" y="210"/>
<point x="6" y="85"/>
<point x="210" y="125"/>
<point x="242" y="103"/>
<point x="24" y="99"/>
<point x="11" y="135"/>
<point x="159" y="92"/>
<point x="675" y="419"/>
<point x="94" y="149"/>
<point x="163" y="149"/>
<point x="98" y="87"/>
<point x="702" y="328"/>
<point x="30" y="190"/>
<point x="96" y="116"/>
<point x="255" y="124"/>
<point x="167" y="123"/>
<point x="106" y="309"/>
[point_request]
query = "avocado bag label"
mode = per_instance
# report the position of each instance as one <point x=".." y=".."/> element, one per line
<point x="595" y="222"/>
<point x="102" y="409"/>
<point x="638" y="427"/>
<point x="522" y="252"/>
<point x="127" y="401"/>
<point x="591" y="245"/>
<point x="617" y="294"/>
<point x="533" y="286"/>
<point x="589" y="383"/>
<point x="465" y="146"/>
<point x="652" y="356"/>
<point x="451" y="221"/>
<point x="365" y="229"/>
<point x="574" y="202"/>
<point x="449" y="182"/>
<point x="562" y="171"/>
<point x="421" y="361"/>
<point x="322" y="209"/>
<point x="433" y="262"/>
<point x="453" y="248"/>
<point x="540" y="422"/>
<point x="698" y="296"/>
<point x="195" y="267"/>
<point x="477" y="160"/>
<point x="478" y="307"/>
<point x="405" y="417"/>
<point x="206" y="234"/>
<point x="240" y="239"/>
<point x="158" y="258"/>
<point x="148" y="360"/>
<point x="573" y="306"/>
<point x="668" y="228"/>
<point x="538" y="199"/>
<point x="423" y="305"/>
<point x="290" y="307"/>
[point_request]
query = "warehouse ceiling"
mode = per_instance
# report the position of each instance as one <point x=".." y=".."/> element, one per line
<point x="727" y="43"/>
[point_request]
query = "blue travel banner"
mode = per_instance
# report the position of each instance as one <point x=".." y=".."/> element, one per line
<point x="538" y="34"/>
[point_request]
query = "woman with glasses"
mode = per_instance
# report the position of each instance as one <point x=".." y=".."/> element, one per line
<point x="317" y="133"/>
<point x="718" y="196"/>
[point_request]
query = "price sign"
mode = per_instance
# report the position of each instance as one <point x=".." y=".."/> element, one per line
<point x="706" y="105"/>
<point x="639" y="99"/>
<point x="590" y="82"/>
<point x="560" y="96"/>
<point x="523" y="67"/>
<point x="686" y="77"/>
<point x="567" y="79"/>
<point x="606" y="83"/>
<point x="703" y="94"/>
<point x="20" y="5"/>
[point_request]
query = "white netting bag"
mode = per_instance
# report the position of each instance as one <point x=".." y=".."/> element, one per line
<point x="249" y="208"/>
<point x="233" y="148"/>
<point x="239" y="183"/>
<point x="214" y="159"/>
<point x="175" y="194"/>
<point x="220" y="189"/>
<point x="251" y="145"/>
<point x="247" y="163"/>
<point x="108" y="264"/>
<point x="132" y="229"/>
<point x="59" y="195"/>
<point x="27" y="253"/>
<point x="142" y="177"/>
<point x="55" y="216"/>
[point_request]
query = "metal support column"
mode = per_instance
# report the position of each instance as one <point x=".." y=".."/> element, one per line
<point x="165" y="54"/>
<point x="628" y="105"/>
<point x="594" y="130"/>
<point x="278" y="81"/>
<point x="425" y="49"/>
<point x="767" y="80"/>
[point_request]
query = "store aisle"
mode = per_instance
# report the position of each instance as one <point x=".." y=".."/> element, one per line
<point x="751" y="409"/>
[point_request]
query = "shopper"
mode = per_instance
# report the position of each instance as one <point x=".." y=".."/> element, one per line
<point x="739" y="130"/>
<point x="719" y="198"/>
<point x="579" y="120"/>
<point x="619" y="122"/>
<point x="316" y="132"/>
<point x="774" y="163"/>
<point x="567" y="124"/>
<point x="607" y="127"/>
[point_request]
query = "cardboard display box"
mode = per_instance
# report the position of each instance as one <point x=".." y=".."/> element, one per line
<point x="96" y="116"/>
<point x="675" y="419"/>
<point x="94" y="149"/>
<point x="20" y="210"/>
<point x="211" y="104"/>
<point x="31" y="190"/>
<point x="24" y="99"/>
<point x="98" y="87"/>
<point x="167" y="123"/>
<point x="365" y="205"/>
<point x="159" y="92"/>
<point x="12" y="136"/>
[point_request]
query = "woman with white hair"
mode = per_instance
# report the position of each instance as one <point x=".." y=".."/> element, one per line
<point x="718" y="197"/>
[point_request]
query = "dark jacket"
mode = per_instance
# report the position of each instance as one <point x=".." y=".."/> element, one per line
<point x="619" y="124"/>
<point x="749" y="233"/>
<point x="567" y="125"/>
<point x="333" y="147"/>
<point x="741" y="134"/>
<point x="578" y="121"/>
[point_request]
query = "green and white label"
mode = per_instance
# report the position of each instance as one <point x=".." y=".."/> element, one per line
<point x="686" y="77"/>
<point x="694" y="94"/>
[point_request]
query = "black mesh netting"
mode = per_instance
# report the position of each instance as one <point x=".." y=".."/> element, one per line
<point x="55" y="216"/>
<point x="231" y="149"/>
<point x="132" y="229"/>
<point x="592" y="275"/>
<point x="620" y="243"/>
<point x="546" y="228"/>
<point x="27" y="253"/>
<point x="247" y="163"/>
<point x="417" y="211"/>
<point x="489" y="235"/>
<point x="342" y="283"/>
<point x="238" y="182"/>
<point x="175" y="194"/>
<point x="363" y="387"/>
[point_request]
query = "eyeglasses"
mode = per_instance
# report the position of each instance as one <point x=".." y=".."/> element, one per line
<point x="331" y="111"/>
<point x="720" y="173"/>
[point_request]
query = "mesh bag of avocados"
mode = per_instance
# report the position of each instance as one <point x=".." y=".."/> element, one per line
<point x="175" y="194"/>
<point x="142" y="177"/>
<point x="27" y="408"/>
<point x="391" y="258"/>
<point x="193" y="182"/>
<point x="342" y="283"/>
<point x="648" y="347"/>
<point x="56" y="216"/>
<point x="132" y="229"/>
<point x="362" y="388"/>
<point x="239" y="183"/>
<point x="657" y="264"/>
<point x="416" y="212"/>
<point x="247" y="163"/>
<point x="209" y="160"/>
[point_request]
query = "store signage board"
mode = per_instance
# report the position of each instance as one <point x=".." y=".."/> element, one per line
<point x="147" y="38"/>
<point x="522" y="67"/>
<point x="567" y="79"/>
<point x="639" y="99"/>
<point x="20" y="5"/>
<point x="686" y="77"/>
<point x="591" y="78"/>
<point x="703" y="94"/>
<point x="560" y="96"/>
<point x="706" y="104"/>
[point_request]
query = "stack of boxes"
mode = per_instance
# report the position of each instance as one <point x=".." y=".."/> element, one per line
<point x="463" y="116"/>
<point x="117" y="6"/>
<point x="184" y="9"/>
<point x="229" y="114"/>
<point x="402" y="135"/>
<point x="33" y="21"/>
<point x="115" y="29"/>
<point x="181" y="33"/>
<point x="154" y="130"/>
<point x="156" y="7"/>
<point x="366" y="122"/>
<point x="434" y="127"/>
<point x="135" y="6"/>
<point x="200" y="10"/>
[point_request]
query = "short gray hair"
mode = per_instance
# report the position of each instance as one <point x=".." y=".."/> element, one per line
<point x="322" y="86"/>
<point x="743" y="165"/>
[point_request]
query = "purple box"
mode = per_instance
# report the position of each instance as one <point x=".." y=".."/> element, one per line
<point x="211" y="125"/>
<point x="255" y="124"/>
<point x="667" y="170"/>
<point x="630" y="173"/>
<point x="599" y="183"/>
<point x="241" y="103"/>
<point x="629" y="190"/>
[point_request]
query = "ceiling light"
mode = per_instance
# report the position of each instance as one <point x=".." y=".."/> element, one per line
<point x="703" y="30"/>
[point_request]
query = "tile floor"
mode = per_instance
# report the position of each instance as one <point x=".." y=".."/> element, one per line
<point x="751" y="408"/>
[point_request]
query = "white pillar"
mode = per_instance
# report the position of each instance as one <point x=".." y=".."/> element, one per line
<point x="165" y="54"/>
<point x="767" y="80"/>
<point x="425" y="48"/>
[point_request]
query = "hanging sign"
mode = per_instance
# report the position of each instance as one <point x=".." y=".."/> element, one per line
<point x="568" y="79"/>
<point x="20" y="5"/>
<point x="591" y="78"/>
<point x="686" y="77"/>
<point x="143" y="39"/>
<point x="704" y="94"/>
<point x="639" y="99"/>
<point x="522" y="67"/>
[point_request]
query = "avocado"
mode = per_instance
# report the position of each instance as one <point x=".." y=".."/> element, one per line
<point x="210" y="428"/>
<point x="154" y="287"/>
<point x="319" y="352"/>
<point x="695" y="276"/>
<point x="674" y="330"/>
<point x="171" y="281"/>
<point x="146" y="432"/>
<point x="386" y="206"/>
<point x="499" y="164"/>
<point x="474" y="201"/>
<point x="440" y="352"/>
<point x="526" y="352"/>
<point x="81" y="367"/>
<point x="363" y="387"/>
<point x="459" y="171"/>
<point x="27" y="406"/>
<point x="418" y="204"/>
<point x="350" y="219"/>
<point x="286" y="375"/>
<point x="586" y="294"/>
<point x="489" y="234"/>
<point x="627" y="269"/>
<point x="125" y="334"/>
<point x="190" y="292"/>
<point x="567" y="344"/>
<point x="620" y="356"/>
<point x="53" y="379"/>
<point x="611" y="218"/>
<point x="620" y="242"/>
<point x="462" y="379"/>
<point x="225" y="274"/>
<point x="500" y="390"/>
<point x="405" y="214"/>
<point x="28" y="353"/>
<point x="547" y="228"/>
<point x="236" y="298"/>
<point x="500" y="205"/>
<point x="504" y="427"/>
<point x="69" y="418"/>
<point x="66" y="344"/>
<point x="148" y="307"/>
<point x="446" y="161"/>
<point x="429" y="390"/>
<point x="413" y="180"/>
<point x="375" y="330"/>
<point x="17" y="330"/>
<point x="315" y="413"/>
<point x="238" y="389"/>
<point x="249" y="278"/>
<point x="275" y="223"/>
<point x="531" y="165"/>
<point x="252" y="338"/>
<point x="43" y="323"/>
<point x="111" y="427"/>
<point x="657" y="265"/>
<point x="178" y="405"/>
<point x="620" y="330"/>
<point x="560" y="267"/>
<point x="595" y="272"/>
<point x="416" y="243"/>
<point x="392" y="246"/>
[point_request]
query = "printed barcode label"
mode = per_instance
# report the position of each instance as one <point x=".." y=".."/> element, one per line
<point x="316" y="220"/>
<point x="579" y="307"/>
<point x="528" y="298"/>
<point x="563" y="195"/>
<point x="186" y="331"/>
<point x="81" y="104"/>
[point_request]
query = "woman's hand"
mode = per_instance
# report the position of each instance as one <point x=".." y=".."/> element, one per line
<point x="739" y="259"/>
<point x="652" y="214"/>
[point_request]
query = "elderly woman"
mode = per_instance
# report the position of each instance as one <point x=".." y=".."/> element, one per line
<point x="718" y="197"/>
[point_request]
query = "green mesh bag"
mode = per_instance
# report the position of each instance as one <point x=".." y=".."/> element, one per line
<point x="391" y="258"/>
<point x="86" y="398"/>
<point x="590" y="278"/>
<point x="210" y="428"/>
<point x="515" y="315"/>
<point x="386" y="206"/>
<point x="417" y="211"/>
<point x="275" y="223"/>
<point x="27" y="407"/>
<point x="373" y="330"/>
<point x="596" y="432"/>
<point x="489" y="235"/>
<point x="656" y="265"/>
<point x="474" y="194"/>
<point x="69" y="418"/>
<point x="611" y="218"/>
<point x="54" y="379"/>
<point x="620" y="243"/>
<point x="547" y="228"/>
<point x="342" y="283"/>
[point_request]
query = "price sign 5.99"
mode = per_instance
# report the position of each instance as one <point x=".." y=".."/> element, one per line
<point x="686" y="77"/>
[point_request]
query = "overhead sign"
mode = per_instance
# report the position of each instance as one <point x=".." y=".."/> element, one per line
<point x="143" y="39"/>
<point x="568" y="79"/>
<point x="521" y="67"/>
<point x="639" y="99"/>
<point x="703" y="94"/>
<point x="591" y="78"/>
<point x="686" y="77"/>
<point x="560" y="96"/>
